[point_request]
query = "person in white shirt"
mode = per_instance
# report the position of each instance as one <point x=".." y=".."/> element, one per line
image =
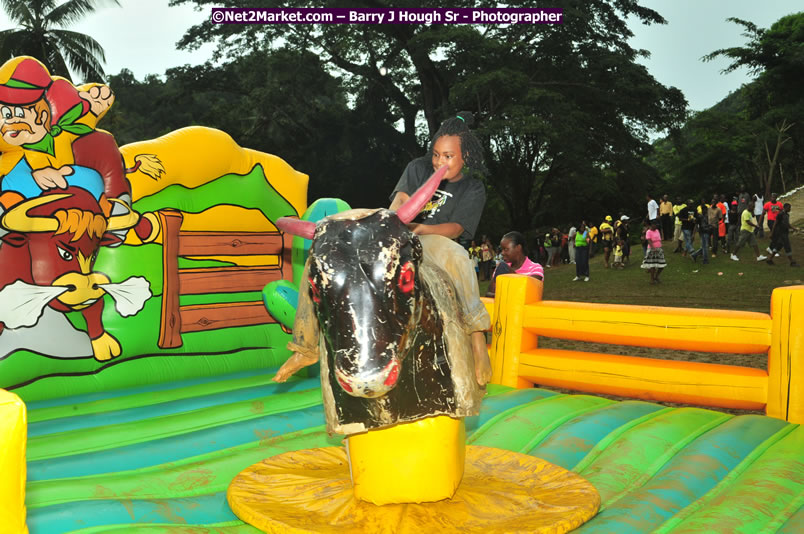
<point x="759" y="213"/>
<point x="571" y="243"/>
<point x="653" y="211"/>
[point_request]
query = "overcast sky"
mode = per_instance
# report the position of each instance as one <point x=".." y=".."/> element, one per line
<point x="141" y="36"/>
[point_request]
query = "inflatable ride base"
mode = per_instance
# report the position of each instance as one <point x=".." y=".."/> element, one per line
<point x="502" y="491"/>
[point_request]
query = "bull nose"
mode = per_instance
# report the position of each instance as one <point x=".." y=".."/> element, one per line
<point x="393" y="374"/>
<point x="369" y="385"/>
<point x="82" y="289"/>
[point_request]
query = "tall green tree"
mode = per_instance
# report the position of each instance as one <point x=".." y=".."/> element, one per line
<point x="42" y="34"/>
<point x="775" y="102"/>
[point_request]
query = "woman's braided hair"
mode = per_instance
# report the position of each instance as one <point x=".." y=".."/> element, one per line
<point x="471" y="148"/>
<point x="516" y="238"/>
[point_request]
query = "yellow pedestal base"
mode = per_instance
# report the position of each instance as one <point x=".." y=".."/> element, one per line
<point x="502" y="491"/>
<point x="408" y="463"/>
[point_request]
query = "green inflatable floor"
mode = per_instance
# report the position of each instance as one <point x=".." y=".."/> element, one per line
<point x="149" y="460"/>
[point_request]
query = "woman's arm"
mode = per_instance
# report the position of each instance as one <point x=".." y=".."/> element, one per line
<point x="450" y="229"/>
<point x="399" y="199"/>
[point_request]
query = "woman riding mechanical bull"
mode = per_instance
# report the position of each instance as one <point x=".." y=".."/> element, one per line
<point x="437" y="217"/>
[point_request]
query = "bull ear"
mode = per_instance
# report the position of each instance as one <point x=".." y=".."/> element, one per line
<point x="294" y="226"/>
<point x="15" y="239"/>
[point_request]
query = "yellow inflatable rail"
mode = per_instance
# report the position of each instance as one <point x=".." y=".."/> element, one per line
<point x="13" y="433"/>
<point x="520" y="316"/>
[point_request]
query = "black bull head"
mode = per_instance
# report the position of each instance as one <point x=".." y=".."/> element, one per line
<point x="385" y="349"/>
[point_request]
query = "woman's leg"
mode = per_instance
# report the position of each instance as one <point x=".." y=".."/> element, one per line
<point x="453" y="258"/>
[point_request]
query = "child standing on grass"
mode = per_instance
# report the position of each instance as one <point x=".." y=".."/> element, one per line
<point x="654" y="261"/>
<point x="618" y="254"/>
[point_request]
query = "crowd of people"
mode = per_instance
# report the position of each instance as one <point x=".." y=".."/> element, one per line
<point x="720" y="226"/>
<point x="728" y="226"/>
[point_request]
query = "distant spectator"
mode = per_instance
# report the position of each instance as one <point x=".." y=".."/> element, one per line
<point x="666" y="216"/>
<point x="704" y="230"/>
<point x="618" y="254"/>
<point x="486" y="259"/>
<point x="571" y="243"/>
<point x="678" y="236"/>
<point x="474" y="255"/>
<point x="780" y="235"/>
<point x="747" y="227"/>
<point x="624" y="233"/>
<point x="733" y="226"/>
<point x="582" y="245"/>
<point x="772" y="208"/>
<point x="550" y="248"/>
<point x="607" y="239"/>
<point x="594" y="236"/>
<point x="721" y="227"/>
<point x="654" y="261"/>
<point x="687" y="216"/>
<point x="759" y="215"/>
<point x="564" y="247"/>
<point x="515" y="260"/>
<point x="653" y="210"/>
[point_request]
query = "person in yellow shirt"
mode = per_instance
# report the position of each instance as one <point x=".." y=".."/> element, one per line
<point x="747" y="226"/>
<point x="607" y="239"/>
<point x="666" y="218"/>
<point x="594" y="236"/>
<point x="678" y="235"/>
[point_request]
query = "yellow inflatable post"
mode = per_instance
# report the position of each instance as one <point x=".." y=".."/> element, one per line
<point x="13" y="433"/>
<point x="414" y="462"/>
<point x="786" y="355"/>
<point x="509" y="338"/>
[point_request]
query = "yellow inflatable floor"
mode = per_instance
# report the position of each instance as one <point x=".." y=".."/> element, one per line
<point x="502" y="491"/>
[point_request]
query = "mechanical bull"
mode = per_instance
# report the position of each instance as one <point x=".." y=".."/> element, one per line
<point x="391" y="340"/>
<point x="46" y="269"/>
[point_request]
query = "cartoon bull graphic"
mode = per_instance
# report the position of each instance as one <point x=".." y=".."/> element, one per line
<point x="46" y="260"/>
<point x="392" y="345"/>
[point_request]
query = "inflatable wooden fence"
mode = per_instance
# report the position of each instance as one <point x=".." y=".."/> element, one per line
<point x="520" y="316"/>
<point x="178" y="319"/>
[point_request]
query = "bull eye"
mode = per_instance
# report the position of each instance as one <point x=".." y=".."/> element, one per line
<point x="406" y="279"/>
<point x="65" y="254"/>
<point x="314" y="291"/>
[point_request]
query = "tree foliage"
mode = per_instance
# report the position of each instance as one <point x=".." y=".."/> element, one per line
<point x="284" y="103"/>
<point x="564" y="109"/>
<point x="42" y="34"/>
<point x="774" y="101"/>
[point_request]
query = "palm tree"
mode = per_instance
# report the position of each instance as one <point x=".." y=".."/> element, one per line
<point x="41" y="35"/>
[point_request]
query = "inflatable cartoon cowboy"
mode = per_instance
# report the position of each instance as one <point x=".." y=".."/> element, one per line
<point x="49" y="140"/>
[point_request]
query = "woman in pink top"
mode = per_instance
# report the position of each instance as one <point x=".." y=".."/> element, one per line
<point x="654" y="259"/>
<point x="515" y="260"/>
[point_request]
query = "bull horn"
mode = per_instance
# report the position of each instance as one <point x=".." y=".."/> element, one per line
<point x="293" y="226"/>
<point x="124" y="221"/>
<point x="18" y="220"/>
<point x="412" y="206"/>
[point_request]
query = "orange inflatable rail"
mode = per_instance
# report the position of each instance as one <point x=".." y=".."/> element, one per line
<point x="520" y="316"/>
